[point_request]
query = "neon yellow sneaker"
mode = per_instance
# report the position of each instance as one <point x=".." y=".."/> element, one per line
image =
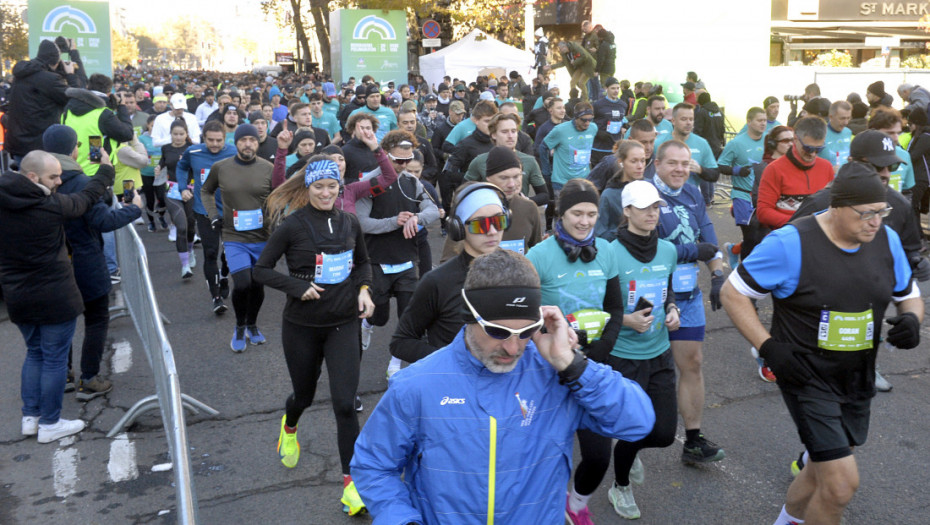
<point x="288" y="447"/>
<point x="351" y="500"/>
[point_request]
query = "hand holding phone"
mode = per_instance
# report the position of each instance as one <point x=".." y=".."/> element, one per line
<point x="94" y="143"/>
<point x="128" y="191"/>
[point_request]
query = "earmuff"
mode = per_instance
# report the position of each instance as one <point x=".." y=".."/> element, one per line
<point x="585" y="253"/>
<point x="770" y="142"/>
<point x="454" y="226"/>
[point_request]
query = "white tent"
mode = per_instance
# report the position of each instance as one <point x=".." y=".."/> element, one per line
<point x="467" y="57"/>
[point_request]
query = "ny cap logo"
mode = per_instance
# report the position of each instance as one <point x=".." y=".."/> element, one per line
<point x="887" y="144"/>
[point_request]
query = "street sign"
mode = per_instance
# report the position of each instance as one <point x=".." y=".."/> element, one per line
<point x="284" y="57"/>
<point x="432" y="42"/>
<point x="431" y="30"/>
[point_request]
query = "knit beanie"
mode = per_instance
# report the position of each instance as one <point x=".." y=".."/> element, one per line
<point x="501" y="158"/>
<point x="246" y="130"/>
<point x="877" y="88"/>
<point x="59" y="139"/>
<point x="855" y="184"/>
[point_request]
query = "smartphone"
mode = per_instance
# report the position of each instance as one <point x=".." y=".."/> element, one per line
<point x="128" y="187"/>
<point x="642" y="304"/>
<point x="94" y="142"/>
<point x="65" y="57"/>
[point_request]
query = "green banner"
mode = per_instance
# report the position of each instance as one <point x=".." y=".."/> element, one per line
<point x="88" y="23"/>
<point x="369" y="42"/>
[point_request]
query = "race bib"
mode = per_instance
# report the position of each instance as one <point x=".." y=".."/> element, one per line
<point x="204" y="173"/>
<point x="894" y="182"/>
<point x="613" y="127"/>
<point x="333" y="268"/>
<point x="684" y="280"/>
<point x="581" y="157"/>
<point x="154" y="160"/>
<point x="247" y="220"/>
<point x="173" y="191"/>
<point x="653" y="290"/>
<point x="396" y="268"/>
<point x="844" y="331"/>
<point x="516" y="245"/>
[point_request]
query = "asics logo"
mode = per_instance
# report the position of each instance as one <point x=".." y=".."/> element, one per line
<point x="452" y="401"/>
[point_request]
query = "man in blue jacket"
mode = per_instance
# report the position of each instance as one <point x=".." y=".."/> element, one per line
<point x="432" y="449"/>
<point x="90" y="268"/>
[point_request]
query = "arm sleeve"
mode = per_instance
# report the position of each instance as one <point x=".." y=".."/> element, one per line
<point x="160" y="134"/>
<point x="361" y="272"/>
<point x="105" y="219"/>
<point x="208" y="190"/>
<point x="134" y="156"/>
<point x="408" y="342"/>
<point x="429" y="212"/>
<point x="613" y="304"/>
<point x="540" y="194"/>
<point x="902" y="267"/>
<point x="373" y="226"/>
<point x="75" y="205"/>
<point x="279" y="173"/>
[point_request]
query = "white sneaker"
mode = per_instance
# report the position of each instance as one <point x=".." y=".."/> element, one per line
<point x="30" y="425"/>
<point x="192" y="259"/>
<point x="56" y="431"/>
<point x="637" y="471"/>
<point x="393" y="367"/>
<point x="186" y="272"/>
<point x="172" y="233"/>
<point x="197" y="239"/>
<point x="622" y="500"/>
<point x="882" y="384"/>
<point x="366" y="334"/>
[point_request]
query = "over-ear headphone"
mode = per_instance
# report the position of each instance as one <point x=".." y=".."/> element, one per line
<point x="454" y="226"/>
<point x="585" y="253"/>
<point x="770" y="142"/>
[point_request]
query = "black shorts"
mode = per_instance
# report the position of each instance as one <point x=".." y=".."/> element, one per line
<point x="829" y="428"/>
<point x="656" y="375"/>
<point x="387" y="285"/>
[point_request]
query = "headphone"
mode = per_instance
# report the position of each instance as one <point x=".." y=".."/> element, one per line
<point x="770" y="142"/>
<point x="454" y="226"/>
<point x="585" y="253"/>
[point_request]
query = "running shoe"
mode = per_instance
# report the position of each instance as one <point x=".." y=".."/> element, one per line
<point x="288" y="446"/>
<point x="218" y="306"/>
<point x="392" y="369"/>
<point x="622" y="500"/>
<point x="254" y="335"/>
<point x="732" y="255"/>
<point x="351" y="501"/>
<point x="197" y="239"/>
<point x="637" y="471"/>
<point x="186" y="272"/>
<point x="358" y="404"/>
<point x="237" y="343"/>
<point x="766" y="374"/>
<point x="701" y="450"/>
<point x="172" y="233"/>
<point x="582" y="517"/>
<point x="30" y="425"/>
<point x="224" y="287"/>
<point x="882" y="384"/>
<point x="192" y="258"/>
<point x="151" y="227"/>
<point x="163" y="222"/>
<point x="797" y="465"/>
<point x="367" y="329"/>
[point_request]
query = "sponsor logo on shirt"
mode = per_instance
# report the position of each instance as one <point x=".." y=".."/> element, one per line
<point x="528" y="410"/>
<point x="452" y="401"/>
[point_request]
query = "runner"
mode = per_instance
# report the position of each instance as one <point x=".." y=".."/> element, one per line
<point x="737" y="160"/>
<point x="631" y="158"/>
<point x="569" y="144"/>
<point x="179" y="199"/>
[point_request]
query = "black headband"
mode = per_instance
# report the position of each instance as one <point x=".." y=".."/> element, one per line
<point x="584" y="112"/>
<point x="571" y="198"/>
<point x="504" y="302"/>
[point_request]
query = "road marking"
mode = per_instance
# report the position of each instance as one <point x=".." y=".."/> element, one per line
<point x="64" y="471"/>
<point x="122" y="357"/>
<point x="122" y="465"/>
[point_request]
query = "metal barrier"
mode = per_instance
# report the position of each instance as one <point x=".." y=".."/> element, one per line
<point x="139" y="297"/>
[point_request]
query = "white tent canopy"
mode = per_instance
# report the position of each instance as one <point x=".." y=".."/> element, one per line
<point x="467" y="57"/>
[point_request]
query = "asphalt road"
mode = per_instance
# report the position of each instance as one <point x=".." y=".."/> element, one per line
<point x="239" y="479"/>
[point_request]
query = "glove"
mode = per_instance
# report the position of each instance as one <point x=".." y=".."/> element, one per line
<point x="598" y="350"/>
<point x="905" y="332"/>
<point x="62" y="44"/>
<point x="112" y="102"/>
<point x="716" y="283"/>
<point x="217" y="224"/>
<point x="705" y="251"/>
<point x="921" y="268"/>
<point x="744" y="171"/>
<point x="785" y="360"/>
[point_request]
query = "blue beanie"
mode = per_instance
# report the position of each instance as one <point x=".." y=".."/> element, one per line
<point x="246" y="130"/>
<point x="275" y="90"/>
<point x="59" y="139"/>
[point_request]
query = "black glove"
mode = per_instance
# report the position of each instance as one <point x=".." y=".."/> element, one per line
<point x="217" y="224"/>
<point x="784" y="359"/>
<point x="905" y="332"/>
<point x="716" y="283"/>
<point x="744" y="171"/>
<point x="112" y="102"/>
<point x="920" y="267"/>
<point x="63" y="45"/>
<point x="705" y="251"/>
<point x="598" y="350"/>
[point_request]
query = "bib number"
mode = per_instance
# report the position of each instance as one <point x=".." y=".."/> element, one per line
<point x="173" y="191"/>
<point x="333" y="268"/>
<point x="204" y="173"/>
<point x="845" y="332"/>
<point x="247" y="220"/>
<point x="894" y="181"/>
<point x="684" y="280"/>
<point x="396" y="268"/>
<point x="653" y="290"/>
<point x="581" y="157"/>
<point x="154" y="160"/>
<point x="515" y="245"/>
<point x="613" y="127"/>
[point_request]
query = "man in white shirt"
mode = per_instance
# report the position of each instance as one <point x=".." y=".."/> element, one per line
<point x="161" y="130"/>
<point x="207" y="107"/>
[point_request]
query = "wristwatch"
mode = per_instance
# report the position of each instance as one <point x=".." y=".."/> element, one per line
<point x="716" y="273"/>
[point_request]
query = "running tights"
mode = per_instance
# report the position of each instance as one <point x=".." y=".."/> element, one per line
<point x="182" y="216"/>
<point x="305" y="348"/>
<point x="154" y="198"/>
<point x="247" y="297"/>
<point x="210" y="240"/>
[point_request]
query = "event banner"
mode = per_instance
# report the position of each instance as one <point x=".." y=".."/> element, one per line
<point x="369" y="42"/>
<point x="88" y="23"/>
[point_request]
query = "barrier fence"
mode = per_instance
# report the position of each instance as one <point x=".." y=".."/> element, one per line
<point x="138" y="297"/>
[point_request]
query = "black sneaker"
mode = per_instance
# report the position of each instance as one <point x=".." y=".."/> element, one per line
<point x="358" y="404"/>
<point x="224" y="287"/>
<point x="218" y="306"/>
<point x="701" y="450"/>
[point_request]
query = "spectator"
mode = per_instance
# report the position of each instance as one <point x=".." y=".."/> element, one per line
<point x="916" y="97"/>
<point x="97" y="112"/>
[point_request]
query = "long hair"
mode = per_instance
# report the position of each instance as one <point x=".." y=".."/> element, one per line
<point x="290" y="196"/>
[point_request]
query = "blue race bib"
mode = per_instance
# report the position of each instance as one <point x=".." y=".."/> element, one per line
<point x="173" y="192"/>
<point x="653" y="290"/>
<point x="396" y="268"/>
<point x="515" y="245"/>
<point x="684" y="280"/>
<point x="247" y="220"/>
<point x="581" y="157"/>
<point x="614" y="126"/>
<point x="333" y="268"/>
<point x="204" y="173"/>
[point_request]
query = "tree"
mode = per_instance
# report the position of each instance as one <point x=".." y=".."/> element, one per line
<point x="14" y="36"/>
<point x="125" y="48"/>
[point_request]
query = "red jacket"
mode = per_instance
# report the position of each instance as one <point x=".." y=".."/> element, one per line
<point x="784" y="186"/>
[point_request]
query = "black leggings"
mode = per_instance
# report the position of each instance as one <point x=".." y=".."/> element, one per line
<point x="305" y="348"/>
<point x="182" y="216"/>
<point x="247" y="297"/>
<point x="96" y="324"/>
<point x="210" y="240"/>
<point x="425" y="254"/>
<point x="657" y="377"/>
<point x="153" y="195"/>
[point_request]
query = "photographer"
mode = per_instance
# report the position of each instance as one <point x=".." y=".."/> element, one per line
<point x="810" y="92"/>
<point x="97" y="112"/>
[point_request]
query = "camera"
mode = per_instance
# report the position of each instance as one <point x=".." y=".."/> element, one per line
<point x="793" y="98"/>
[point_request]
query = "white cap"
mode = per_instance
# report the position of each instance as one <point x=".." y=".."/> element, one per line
<point x="178" y="101"/>
<point x="539" y="32"/>
<point x="640" y="194"/>
<point x="553" y="85"/>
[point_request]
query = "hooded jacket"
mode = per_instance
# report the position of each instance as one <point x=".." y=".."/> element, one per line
<point x="35" y="270"/>
<point x="36" y="100"/>
<point x="117" y="126"/>
<point x="709" y="124"/>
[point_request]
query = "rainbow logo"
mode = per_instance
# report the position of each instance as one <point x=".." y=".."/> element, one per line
<point x="58" y="18"/>
<point x="373" y="24"/>
<point x="523" y="407"/>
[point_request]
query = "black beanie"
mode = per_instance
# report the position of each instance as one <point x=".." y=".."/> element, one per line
<point x="59" y="139"/>
<point x="856" y="183"/>
<point x="585" y="193"/>
<point x="332" y="149"/>
<point x="818" y="106"/>
<point x="877" y="88"/>
<point x="303" y="133"/>
<point x="501" y="158"/>
<point x="48" y="53"/>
